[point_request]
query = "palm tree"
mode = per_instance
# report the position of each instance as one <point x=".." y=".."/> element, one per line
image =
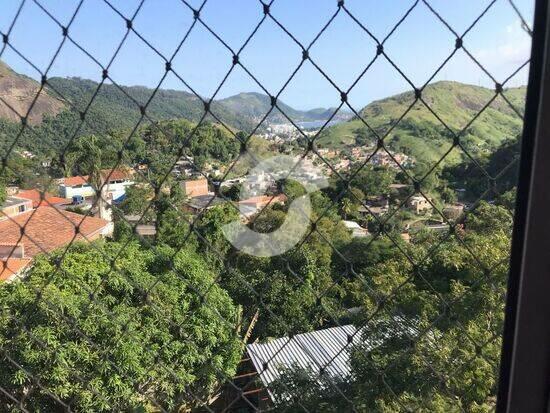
<point x="347" y="207"/>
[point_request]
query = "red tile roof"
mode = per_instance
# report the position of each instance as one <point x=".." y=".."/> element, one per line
<point x="75" y="180"/>
<point x="12" y="266"/>
<point x="115" y="175"/>
<point x="263" y="200"/>
<point x="34" y="196"/>
<point x="47" y="228"/>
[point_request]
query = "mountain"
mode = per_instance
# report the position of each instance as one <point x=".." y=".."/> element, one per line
<point x="18" y="93"/>
<point x="254" y="106"/>
<point x="422" y="135"/>
<point x="419" y="133"/>
<point x="115" y="107"/>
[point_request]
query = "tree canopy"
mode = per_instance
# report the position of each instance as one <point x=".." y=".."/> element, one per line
<point x="93" y="342"/>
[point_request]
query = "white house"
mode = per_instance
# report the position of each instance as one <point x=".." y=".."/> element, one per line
<point x="115" y="187"/>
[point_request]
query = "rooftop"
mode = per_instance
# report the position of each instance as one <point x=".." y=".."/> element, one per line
<point x="36" y="197"/>
<point x="11" y="266"/>
<point x="12" y="201"/>
<point x="46" y="228"/>
<point x="323" y="348"/>
<point x="114" y="175"/>
<point x="205" y="201"/>
<point x="264" y="199"/>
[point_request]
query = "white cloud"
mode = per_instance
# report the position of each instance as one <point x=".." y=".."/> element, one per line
<point x="515" y="48"/>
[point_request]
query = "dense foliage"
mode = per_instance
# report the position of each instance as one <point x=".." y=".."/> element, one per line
<point x="434" y="345"/>
<point x="92" y="342"/>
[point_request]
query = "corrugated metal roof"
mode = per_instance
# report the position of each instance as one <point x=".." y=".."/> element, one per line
<point x="327" y="349"/>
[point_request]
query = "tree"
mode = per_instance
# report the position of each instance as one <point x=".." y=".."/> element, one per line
<point x="158" y="323"/>
<point x="374" y="181"/>
<point x="285" y="290"/>
<point x="487" y="219"/>
<point x="232" y="192"/>
<point x="3" y="194"/>
<point x="209" y="226"/>
<point x="432" y="334"/>
<point x="87" y="157"/>
<point x="448" y="195"/>
<point x="136" y="201"/>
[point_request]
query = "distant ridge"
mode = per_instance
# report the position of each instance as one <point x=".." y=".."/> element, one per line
<point x="114" y="106"/>
<point x="419" y="134"/>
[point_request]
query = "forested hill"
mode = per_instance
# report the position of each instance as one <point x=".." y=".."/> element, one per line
<point x="256" y="105"/>
<point x="117" y="108"/>
<point x="421" y="134"/>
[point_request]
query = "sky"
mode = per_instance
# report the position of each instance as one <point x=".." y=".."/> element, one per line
<point x="418" y="47"/>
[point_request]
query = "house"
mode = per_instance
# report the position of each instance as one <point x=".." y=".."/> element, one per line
<point x="42" y="230"/>
<point x="260" y="202"/>
<point x="41" y="198"/>
<point x="13" y="206"/>
<point x="75" y="186"/>
<point x="200" y="203"/>
<point x="419" y="204"/>
<point x="355" y="228"/>
<point x="382" y="159"/>
<point x="430" y="224"/>
<point x="45" y="229"/>
<point x="195" y="187"/>
<point x="116" y="181"/>
<point x="374" y="205"/>
<point x="343" y="164"/>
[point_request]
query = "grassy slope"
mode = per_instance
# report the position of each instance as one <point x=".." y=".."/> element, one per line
<point x="422" y="135"/>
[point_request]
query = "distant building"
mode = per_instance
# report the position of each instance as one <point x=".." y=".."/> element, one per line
<point x="195" y="187"/>
<point x="357" y="230"/>
<point x="200" y="203"/>
<point x="327" y="153"/>
<point x="342" y="165"/>
<point x="374" y="207"/>
<point x="419" y="204"/>
<point x="260" y="202"/>
<point x="13" y="206"/>
<point x="43" y="230"/>
<point x="75" y="186"/>
<point x="116" y="182"/>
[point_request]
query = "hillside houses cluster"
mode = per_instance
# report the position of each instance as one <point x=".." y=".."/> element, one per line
<point x="33" y="222"/>
<point x="28" y="229"/>
<point x="200" y="198"/>
<point x="342" y="160"/>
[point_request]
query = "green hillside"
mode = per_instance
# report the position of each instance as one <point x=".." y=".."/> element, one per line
<point x="255" y="105"/>
<point x="421" y="134"/>
<point x="113" y="108"/>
